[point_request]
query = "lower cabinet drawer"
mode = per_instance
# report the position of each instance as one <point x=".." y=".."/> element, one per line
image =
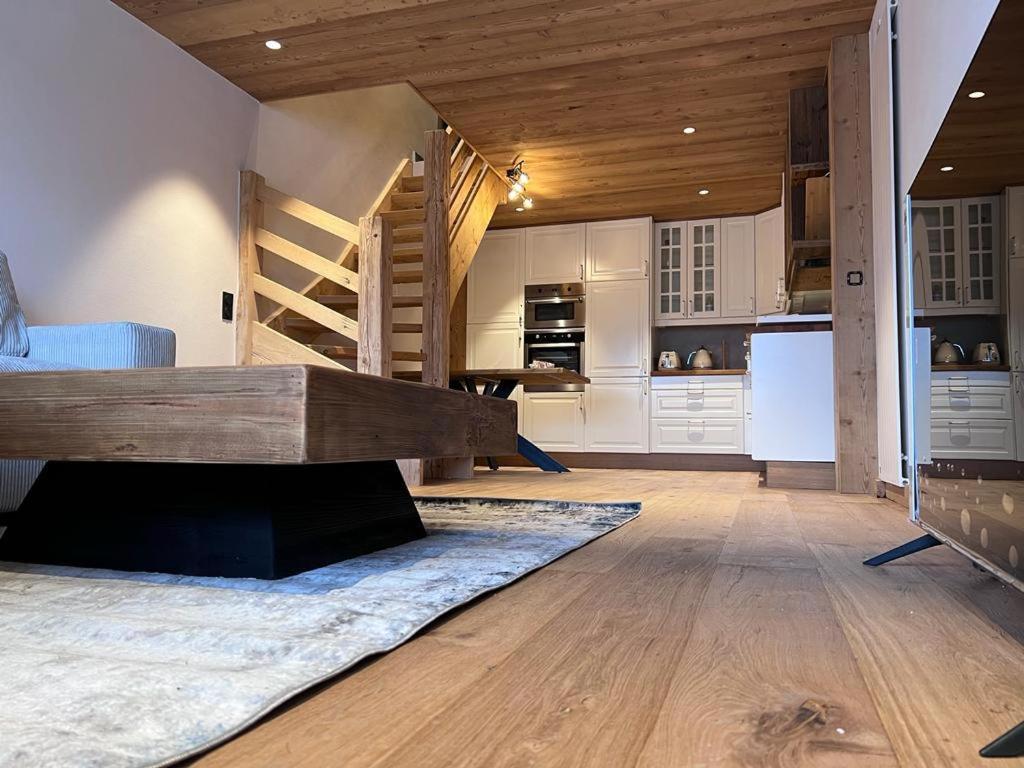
<point x="697" y="435"/>
<point x="978" y="403"/>
<point x="676" y="403"/>
<point x="973" y="439"/>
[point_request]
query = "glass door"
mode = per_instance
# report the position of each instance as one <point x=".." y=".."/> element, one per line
<point x="981" y="266"/>
<point x="937" y="250"/>
<point x="704" y="274"/>
<point x="670" y="298"/>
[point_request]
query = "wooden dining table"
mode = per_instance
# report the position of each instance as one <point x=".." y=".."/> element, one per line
<point x="501" y="383"/>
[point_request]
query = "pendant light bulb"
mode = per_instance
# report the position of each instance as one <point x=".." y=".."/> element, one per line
<point x="524" y="178"/>
<point x="527" y="202"/>
<point x="517" y="188"/>
<point x="513" y="195"/>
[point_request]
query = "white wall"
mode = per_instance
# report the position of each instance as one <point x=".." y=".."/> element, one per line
<point x="119" y="160"/>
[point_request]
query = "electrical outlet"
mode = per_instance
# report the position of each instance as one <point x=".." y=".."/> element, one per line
<point x="227" y="306"/>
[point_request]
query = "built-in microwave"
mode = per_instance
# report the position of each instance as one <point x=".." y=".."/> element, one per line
<point x="555" y="307"/>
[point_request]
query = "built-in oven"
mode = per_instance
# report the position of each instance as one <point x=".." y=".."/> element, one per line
<point x="561" y="348"/>
<point x="553" y="307"/>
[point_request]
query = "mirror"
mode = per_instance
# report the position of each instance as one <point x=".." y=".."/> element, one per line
<point x="967" y="244"/>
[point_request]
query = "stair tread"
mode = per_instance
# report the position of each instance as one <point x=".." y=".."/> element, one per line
<point x="304" y="324"/>
<point x="408" y="276"/>
<point x="404" y="216"/>
<point x="350" y="353"/>
<point x="407" y="199"/>
<point x="412" y="183"/>
<point x="407" y="328"/>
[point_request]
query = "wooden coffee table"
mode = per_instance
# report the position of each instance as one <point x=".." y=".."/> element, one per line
<point x="241" y="471"/>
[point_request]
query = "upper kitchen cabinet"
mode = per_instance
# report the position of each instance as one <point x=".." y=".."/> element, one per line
<point x="618" y="250"/>
<point x="957" y="256"/>
<point x="670" y="267"/>
<point x="704" y="268"/>
<point x="495" y="280"/>
<point x="738" y="272"/>
<point x="618" y="329"/>
<point x="770" y="261"/>
<point x="555" y="254"/>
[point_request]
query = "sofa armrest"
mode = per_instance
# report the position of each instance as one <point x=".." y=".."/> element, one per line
<point x="103" y="345"/>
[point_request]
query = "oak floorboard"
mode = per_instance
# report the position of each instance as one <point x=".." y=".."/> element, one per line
<point x="754" y="688"/>
<point x="586" y="689"/>
<point x="943" y="688"/>
<point x="765" y="533"/>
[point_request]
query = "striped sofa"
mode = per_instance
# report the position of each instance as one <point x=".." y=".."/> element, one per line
<point x="62" y="347"/>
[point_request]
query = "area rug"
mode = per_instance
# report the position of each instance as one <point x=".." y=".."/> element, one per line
<point x="112" y="669"/>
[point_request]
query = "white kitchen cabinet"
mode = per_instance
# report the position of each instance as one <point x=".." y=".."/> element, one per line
<point x="770" y="261"/>
<point x="957" y="255"/>
<point x="554" y="421"/>
<point x="616" y="414"/>
<point x="618" y="250"/>
<point x="704" y="272"/>
<point x="737" y="267"/>
<point x="494" y="290"/>
<point x="973" y="439"/>
<point x="555" y="254"/>
<point x="670" y="270"/>
<point x="618" y="329"/>
<point x="697" y="414"/>
<point x="1013" y="220"/>
<point x="494" y="345"/>
<point x="972" y="415"/>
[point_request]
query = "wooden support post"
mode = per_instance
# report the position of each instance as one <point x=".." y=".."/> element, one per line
<point x="250" y="219"/>
<point x="436" y="202"/>
<point x="853" y="289"/>
<point x="375" y="273"/>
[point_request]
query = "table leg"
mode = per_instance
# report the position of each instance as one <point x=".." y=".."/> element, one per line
<point x="537" y="457"/>
<point x="236" y="520"/>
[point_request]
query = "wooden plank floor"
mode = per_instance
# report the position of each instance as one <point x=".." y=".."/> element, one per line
<point x="729" y="625"/>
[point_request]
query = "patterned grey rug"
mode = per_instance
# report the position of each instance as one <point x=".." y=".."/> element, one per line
<point x="105" y="668"/>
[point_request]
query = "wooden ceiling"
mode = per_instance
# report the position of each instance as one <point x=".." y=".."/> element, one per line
<point x="592" y="95"/>
<point x="983" y="139"/>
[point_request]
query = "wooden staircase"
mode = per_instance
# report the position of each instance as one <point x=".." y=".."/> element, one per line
<point x="408" y="256"/>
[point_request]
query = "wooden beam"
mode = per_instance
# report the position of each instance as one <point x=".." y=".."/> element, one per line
<point x="296" y="302"/>
<point x="853" y="289"/>
<point x="375" y="269"/>
<point x="250" y="219"/>
<point x="436" y="201"/>
<point x="310" y="214"/>
<point x="272" y="348"/>
<point x="308" y="260"/>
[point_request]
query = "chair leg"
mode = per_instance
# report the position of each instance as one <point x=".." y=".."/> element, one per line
<point x="917" y="545"/>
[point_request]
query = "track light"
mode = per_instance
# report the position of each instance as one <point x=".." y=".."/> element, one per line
<point x="527" y="202"/>
<point x="518" y="179"/>
<point x="524" y="178"/>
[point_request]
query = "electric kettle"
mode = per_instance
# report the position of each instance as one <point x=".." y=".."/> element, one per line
<point x="700" y="358"/>
<point x="669" y="361"/>
<point x="948" y="352"/>
<point x="987" y="352"/>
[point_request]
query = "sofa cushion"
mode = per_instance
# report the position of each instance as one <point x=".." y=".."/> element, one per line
<point x="13" y="332"/>
<point x="11" y="364"/>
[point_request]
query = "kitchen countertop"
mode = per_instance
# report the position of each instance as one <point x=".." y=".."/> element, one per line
<point x="778" y="319"/>
<point x="701" y="372"/>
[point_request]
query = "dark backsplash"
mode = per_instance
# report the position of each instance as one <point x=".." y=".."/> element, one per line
<point x="966" y="330"/>
<point x="685" y="339"/>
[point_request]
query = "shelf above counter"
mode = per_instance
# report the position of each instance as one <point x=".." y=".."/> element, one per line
<point x="701" y="372"/>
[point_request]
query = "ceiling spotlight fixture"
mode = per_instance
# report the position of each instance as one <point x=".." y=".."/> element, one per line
<point x="946" y="168"/>
<point x="976" y="95"/>
<point x="689" y="129"/>
<point x="518" y="179"/>
<point x="703" y="191"/>
<point x="273" y="45"/>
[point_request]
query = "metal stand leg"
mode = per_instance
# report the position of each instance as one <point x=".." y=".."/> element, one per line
<point x="1010" y="744"/>
<point x="536" y="456"/>
<point x="917" y="545"/>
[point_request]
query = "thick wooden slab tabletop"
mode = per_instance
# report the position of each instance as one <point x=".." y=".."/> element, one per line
<point x="528" y="376"/>
<point x="289" y="414"/>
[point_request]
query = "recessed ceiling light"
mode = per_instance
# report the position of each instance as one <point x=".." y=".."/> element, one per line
<point x="520" y="209"/>
<point x="689" y="129"/>
<point x="946" y="168"/>
<point x="273" y="45"/>
<point x="703" y="191"/>
<point x="976" y="94"/>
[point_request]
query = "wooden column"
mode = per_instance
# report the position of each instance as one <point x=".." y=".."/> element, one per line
<point x="436" y="202"/>
<point x="853" y="289"/>
<point x="375" y="276"/>
<point x="250" y="218"/>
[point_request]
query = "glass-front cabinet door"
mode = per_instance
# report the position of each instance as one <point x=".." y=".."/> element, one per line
<point x="937" y="250"/>
<point x="980" y="226"/>
<point x="704" y="279"/>
<point x="670" y="294"/>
